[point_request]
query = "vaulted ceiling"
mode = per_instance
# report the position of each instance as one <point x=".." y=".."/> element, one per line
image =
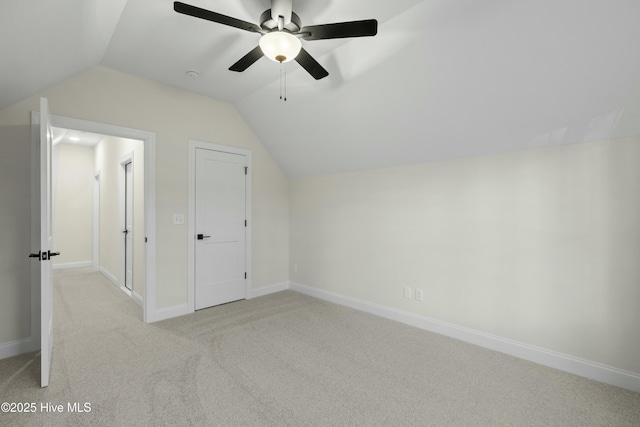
<point x="442" y="79"/>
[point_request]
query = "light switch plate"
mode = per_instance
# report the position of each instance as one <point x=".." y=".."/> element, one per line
<point x="178" y="219"/>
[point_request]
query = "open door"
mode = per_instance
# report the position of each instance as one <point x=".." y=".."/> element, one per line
<point x="44" y="253"/>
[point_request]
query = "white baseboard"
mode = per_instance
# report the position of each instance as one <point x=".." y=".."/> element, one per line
<point x="585" y="368"/>
<point x="266" y="290"/>
<point x="113" y="279"/>
<point x="138" y="299"/>
<point x="182" y="309"/>
<point x="17" y="347"/>
<point x="77" y="264"/>
<point x="168" y="313"/>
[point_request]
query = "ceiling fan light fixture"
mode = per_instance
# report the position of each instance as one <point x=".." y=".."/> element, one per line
<point x="280" y="46"/>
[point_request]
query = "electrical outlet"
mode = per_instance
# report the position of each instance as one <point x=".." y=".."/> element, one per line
<point x="295" y="268"/>
<point x="407" y="292"/>
<point x="178" y="219"/>
<point x="419" y="294"/>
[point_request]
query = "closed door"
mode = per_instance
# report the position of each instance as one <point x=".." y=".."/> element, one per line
<point x="220" y="226"/>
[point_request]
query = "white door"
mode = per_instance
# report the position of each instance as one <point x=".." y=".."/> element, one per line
<point x="128" y="221"/>
<point x="220" y="226"/>
<point x="45" y="253"/>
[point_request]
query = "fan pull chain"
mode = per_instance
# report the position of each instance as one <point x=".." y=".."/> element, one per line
<point x="285" y="81"/>
<point x="280" y="80"/>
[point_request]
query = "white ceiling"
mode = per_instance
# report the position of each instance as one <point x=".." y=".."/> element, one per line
<point x="442" y="79"/>
<point x="75" y="137"/>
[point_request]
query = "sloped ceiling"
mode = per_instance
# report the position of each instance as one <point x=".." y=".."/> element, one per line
<point x="44" y="42"/>
<point x="442" y="79"/>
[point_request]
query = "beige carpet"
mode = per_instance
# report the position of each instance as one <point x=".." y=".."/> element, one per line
<point x="284" y="360"/>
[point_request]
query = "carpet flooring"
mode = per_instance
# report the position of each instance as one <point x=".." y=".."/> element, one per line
<point x="285" y="359"/>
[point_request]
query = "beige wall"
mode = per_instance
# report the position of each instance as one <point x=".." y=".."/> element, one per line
<point x="73" y="204"/>
<point x="541" y="247"/>
<point x="15" y="190"/>
<point x="108" y="96"/>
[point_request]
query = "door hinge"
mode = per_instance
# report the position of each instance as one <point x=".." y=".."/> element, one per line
<point x="245" y="274"/>
<point x="246" y="168"/>
<point x="245" y="222"/>
<point x="145" y="240"/>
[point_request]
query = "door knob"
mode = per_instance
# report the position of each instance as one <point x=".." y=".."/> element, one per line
<point x="43" y="256"/>
<point x="202" y="236"/>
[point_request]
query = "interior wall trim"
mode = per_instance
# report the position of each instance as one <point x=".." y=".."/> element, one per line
<point x="137" y="298"/>
<point x="170" y="312"/>
<point x="17" y="347"/>
<point x="269" y="289"/>
<point x="584" y="368"/>
<point x="182" y="309"/>
<point x="76" y="264"/>
<point x="106" y="273"/>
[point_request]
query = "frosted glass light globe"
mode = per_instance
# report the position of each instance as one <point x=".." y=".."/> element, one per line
<point x="280" y="46"/>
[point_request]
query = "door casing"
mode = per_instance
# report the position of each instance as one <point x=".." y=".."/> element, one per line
<point x="150" y="313"/>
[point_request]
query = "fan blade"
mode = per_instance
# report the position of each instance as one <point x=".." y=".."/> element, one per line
<point x="312" y="66"/>
<point x="247" y="60"/>
<point x="281" y="8"/>
<point x="367" y="27"/>
<point x="197" y="12"/>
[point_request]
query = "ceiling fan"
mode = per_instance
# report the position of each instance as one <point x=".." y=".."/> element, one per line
<point x="281" y="31"/>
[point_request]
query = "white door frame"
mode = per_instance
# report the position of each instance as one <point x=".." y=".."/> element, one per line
<point x="122" y="171"/>
<point x="149" y="140"/>
<point x="193" y="145"/>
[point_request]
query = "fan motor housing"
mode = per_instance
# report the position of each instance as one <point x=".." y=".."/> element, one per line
<point x="269" y="24"/>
